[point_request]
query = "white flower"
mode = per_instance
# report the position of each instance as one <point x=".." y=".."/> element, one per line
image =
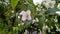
<point x="35" y="20"/>
<point x="26" y="15"/>
<point x="58" y="5"/>
<point x="58" y="12"/>
<point x="49" y="30"/>
<point x="46" y="20"/>
<point x="36" y="2"/>
<point x="18" y="17"/>
<point x="45" y="27"/>
<point x="12" y="11"/>
<point x="38" y="9"/>
<point x="51" y="27"/>
<point x="49" y="4"/>
<point x="26" y="32"/>
<point x="34" y="32"/>
<point x="57" y="28"/>
<point x="55" y="19"/>
<point x="40" y="32"/>
<point x="20" y="24"/>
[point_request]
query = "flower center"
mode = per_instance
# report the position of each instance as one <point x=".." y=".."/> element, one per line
<point x="26" y="15"/>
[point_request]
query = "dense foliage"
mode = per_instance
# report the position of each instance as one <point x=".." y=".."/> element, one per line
<point x="39" y="18"/>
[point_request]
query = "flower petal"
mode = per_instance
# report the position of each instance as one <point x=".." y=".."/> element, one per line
<point x="37" y="20"/>
<point x="36" y="2"/>
<point x="58" y="12"/>
<point x="29" y="17"/>
<point x="28" y="11"/>
<point x="22" y="12"/>
<point x="24" y="18"/>
<point x="18" y="17"/>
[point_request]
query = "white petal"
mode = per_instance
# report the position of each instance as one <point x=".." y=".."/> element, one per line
<point x="22" y="12"/>
<point x="29" y="17"/>
<point x="22" y="23"/>
<point x="49" y="4"/>
<point x="35" y="32"/>
<point x="53" y="3"/>
<point x="58" y="12"/>
<point x="18" y="17"/>
<point x="36" y="2"/>
<point x="12" y="11"/>
<point x="24" y="18"/>
<point x="28" y="11"/>
<point x="58" y="5"/>
<point x="33" y="21"/>
<point x="40" y="32"/>
<point x="37" y="20"/>
<point x="46" y="20"/>
<point x="19" y="24"/>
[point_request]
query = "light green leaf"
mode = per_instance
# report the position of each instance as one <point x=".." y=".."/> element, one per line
<point x="14" y="3"/>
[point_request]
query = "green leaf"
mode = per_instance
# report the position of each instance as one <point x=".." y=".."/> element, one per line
<point x="52" y="11"/>
<point x="30" y="1"/>
<point x="32" y="8"/>
<point x="14" y="3"/>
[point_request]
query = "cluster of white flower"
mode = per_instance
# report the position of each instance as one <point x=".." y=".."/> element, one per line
<point x="58" y="12"/>
<point x="49" y="4"/>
